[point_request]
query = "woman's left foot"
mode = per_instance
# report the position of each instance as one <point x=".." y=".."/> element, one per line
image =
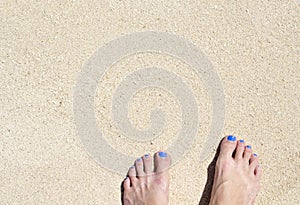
<point x="145" y="185"/>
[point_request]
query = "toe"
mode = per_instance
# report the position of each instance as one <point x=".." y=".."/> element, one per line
<point x="147" y="160"/>
<point x="132" y="174"/>
<point x="240" y="149"/>
<point x="126" y="184"/>
<point x="162" y="162"/>
<point x="253" y="163"/>
<point x="247" y="153"/>
<point x="139" y="166"/>
<point x="258" y="172"/>
<point x="228" y="146"/>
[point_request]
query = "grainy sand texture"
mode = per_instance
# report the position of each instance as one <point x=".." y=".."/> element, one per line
<point x="253" y="46"/>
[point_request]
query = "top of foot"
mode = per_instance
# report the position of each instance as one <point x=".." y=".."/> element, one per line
<point x="146" y="184"/>
<point x="237" y="175"/>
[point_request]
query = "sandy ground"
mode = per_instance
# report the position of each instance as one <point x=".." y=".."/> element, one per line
<point x="253" y="46"/>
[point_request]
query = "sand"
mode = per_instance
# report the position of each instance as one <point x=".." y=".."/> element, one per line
<point x="253" y="47"/>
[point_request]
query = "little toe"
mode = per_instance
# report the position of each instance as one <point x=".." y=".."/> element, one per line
<point x="228" y="146"/>
<point x="126" y="184"/>
<point x="162" y="162"/>
<point x="240" y="149"/>
<point x="258" y="171"/>
<point x="253" y="163"/>
<point x="247" y="153"/>
<point x="139" y="166"/>
<point x="147" y="160"/>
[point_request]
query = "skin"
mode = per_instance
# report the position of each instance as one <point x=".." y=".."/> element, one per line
<point x="148" y="185"/>
<point x="236" y="180"/>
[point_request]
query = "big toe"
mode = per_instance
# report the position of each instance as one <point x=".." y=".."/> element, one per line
<point x="228" y="146"/>
<point x="162" y="162"/>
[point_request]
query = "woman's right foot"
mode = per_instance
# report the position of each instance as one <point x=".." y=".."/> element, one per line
<point x="237" y="175"/>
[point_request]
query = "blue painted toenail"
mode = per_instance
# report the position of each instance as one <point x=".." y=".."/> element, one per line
<point x="162" y="154"/>
<point x="139" y="159"/>
<point x="242" y="140"/>
<point x="146" y="155"/>
<point x="255" y="155"/>
<point x="248" y="146"/>
<point x="231" y="138"/>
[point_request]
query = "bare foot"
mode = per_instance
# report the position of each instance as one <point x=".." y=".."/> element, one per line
<point x="146" y="185"/>
<point x="237" y="175"/>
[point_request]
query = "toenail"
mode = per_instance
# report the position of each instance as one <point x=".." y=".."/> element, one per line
<point x="242" y="140"/>
<point x="231" y="138"/>
<point x="132" y="167"/>
<point x="162" y="154"/>
<point x="255" y="155"/>
<point x="248" y="146"/>
<point x="139" y="159"/>
<point x="146" y="155"/>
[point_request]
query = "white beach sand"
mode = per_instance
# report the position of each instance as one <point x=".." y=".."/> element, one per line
<point x="253" y="46"/>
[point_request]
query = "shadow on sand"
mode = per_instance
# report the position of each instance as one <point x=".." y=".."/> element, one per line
<point x="206" y="194"/>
